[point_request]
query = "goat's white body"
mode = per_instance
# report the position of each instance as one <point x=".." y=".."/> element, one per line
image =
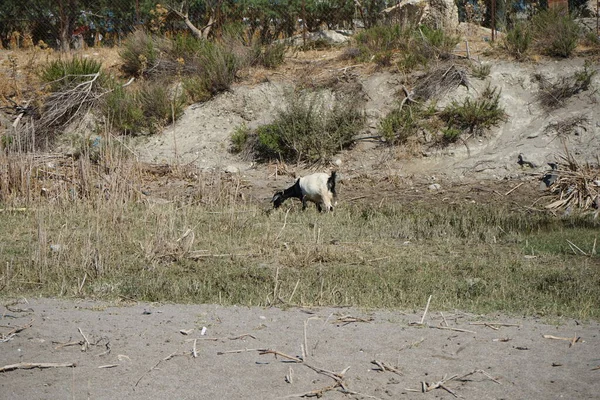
<point x="314" y="188"/>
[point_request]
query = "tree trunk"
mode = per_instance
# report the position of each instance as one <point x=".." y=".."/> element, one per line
<point x="199" y="33"/>
<point x="64" y="36"/>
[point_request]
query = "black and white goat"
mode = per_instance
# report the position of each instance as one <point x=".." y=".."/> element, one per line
<point x="318" y="188"/>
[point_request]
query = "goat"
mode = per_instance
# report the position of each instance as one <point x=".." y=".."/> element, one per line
<point x="318" y="188"/>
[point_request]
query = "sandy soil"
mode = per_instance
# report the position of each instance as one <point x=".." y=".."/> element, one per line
<point x="130" y="345"/>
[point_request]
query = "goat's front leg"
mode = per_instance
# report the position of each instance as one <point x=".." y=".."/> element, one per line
<point x="304" y="203"/>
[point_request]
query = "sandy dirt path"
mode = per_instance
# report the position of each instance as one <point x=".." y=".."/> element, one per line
<point x="135" y="342"/>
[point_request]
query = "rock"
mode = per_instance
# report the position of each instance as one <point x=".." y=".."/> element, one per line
<point x="434" y="186"/>
<point x="331" y="37"/>
<point x="231" y="169"/>
<point x="337" y="162"/>
<point x="590" y="9"/>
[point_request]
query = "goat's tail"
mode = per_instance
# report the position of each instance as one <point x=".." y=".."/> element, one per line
<point x="331" y="183"/>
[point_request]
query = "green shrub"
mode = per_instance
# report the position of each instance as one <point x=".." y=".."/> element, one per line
<point x="159" y="106"/>
<point x="307" y="129"/>
<point x="434" y="42"/>
<point x="60" y="74"/>
<point x="378" y="39"/>
<point x="218" y="66"/>
<point x="195" y="89"/>
<point x="518" y="40"/>
<point x="147" y="109"/>
<point x="592" y="39"/>
<point x="141" y="52"/>
<point x="269" y="56"/>
<point x="475" y="115"/>
<point x="481" y="71"/>
<point x="556" y="32"/>
<point x="400" y="124"/>
<point x="405" y="122"/>
<point x="416" y="45"/>
<point x="239" y="138"/>
<point x="124" y="111"/>
<point x="450" y="135"/>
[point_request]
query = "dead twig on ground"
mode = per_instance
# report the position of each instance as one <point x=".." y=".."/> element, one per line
<point x="348" y="319"/>
<point x="86" y="345"/>
<point x="289" y="378"/>
<point x="18" y="329"/>
<point x="493" y="325"/>
<point x="450" y="328"/>
<point x="571" y="340"/>
<point x="421" y="323"/>
<point x="515" y="188"/>
<point x="426" y="308"/>
<point x="386" y="367"/>
<point x="338" y="377"/>
<point x="12" y="367"/>
<point x="219" y="353"/>
<point x="108" y="366"/>
<point x="167" y="358"/>
<point x="427" y="387"/>
<point x="479" y="371"/>
<point x="61" y="345"/>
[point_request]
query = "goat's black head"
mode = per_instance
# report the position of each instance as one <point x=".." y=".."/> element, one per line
<point x="277" y="199"/>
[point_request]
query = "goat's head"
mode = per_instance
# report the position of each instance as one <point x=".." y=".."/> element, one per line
<point x="277" y="199"/>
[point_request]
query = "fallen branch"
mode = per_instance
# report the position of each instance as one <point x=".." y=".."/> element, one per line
<point x="35" y="365"/>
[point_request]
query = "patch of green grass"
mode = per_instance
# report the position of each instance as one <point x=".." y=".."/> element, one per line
<point x="470" y="257"/>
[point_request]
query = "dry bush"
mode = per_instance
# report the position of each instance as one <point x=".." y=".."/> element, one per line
<point x="554" y="94"/>
<point x="441" y="81"/>
<point x="567" y="126"/>
<point x="576" y="186"/>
